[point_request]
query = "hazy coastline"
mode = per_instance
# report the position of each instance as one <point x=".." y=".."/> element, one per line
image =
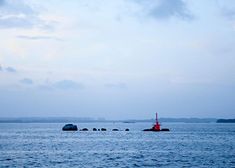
<point x="87" y="120"/>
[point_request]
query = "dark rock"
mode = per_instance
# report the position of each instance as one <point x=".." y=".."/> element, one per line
<point x="115" y="130"/>
<point x="165" y="129"/>
<point x="98" y="129"/>
<point x="94" y="129"/>
<point x="103" y="129"/>
<point x="84" y="129"/>
<point x="127" y="129"/>
<point x="70" y="127"/>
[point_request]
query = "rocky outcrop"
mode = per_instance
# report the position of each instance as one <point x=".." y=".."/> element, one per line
<point x="70" y="127"/>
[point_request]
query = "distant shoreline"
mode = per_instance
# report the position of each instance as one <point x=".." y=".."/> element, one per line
<point x="90" y="120"/>
<point x="225" y="121"/>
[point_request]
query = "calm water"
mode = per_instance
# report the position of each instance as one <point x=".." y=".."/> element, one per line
<point x="187" y="145"/>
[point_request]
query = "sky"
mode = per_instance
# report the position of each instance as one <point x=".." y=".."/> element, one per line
<point x="119" y="59"/>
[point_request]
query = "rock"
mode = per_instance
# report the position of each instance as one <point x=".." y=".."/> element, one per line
<point x="94" y="129"/>
<point x="84" y="129"/>
<point x="70" y="127"/>
<point x="103" y="129"/>
<point x="115" y="130"/>
<point x="127" y="129"/>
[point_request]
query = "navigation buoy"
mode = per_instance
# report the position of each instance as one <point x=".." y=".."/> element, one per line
<point x="156" y="127"/>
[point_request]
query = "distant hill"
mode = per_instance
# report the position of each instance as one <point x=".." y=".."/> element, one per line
<point x="225" y="121"/>
<point x="45" y="120"/>
<point x="183" y="120"/>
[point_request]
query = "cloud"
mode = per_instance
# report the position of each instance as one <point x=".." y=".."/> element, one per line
<point x="165" y="9"/>
<point x="229" y="13"/>
<point x="15" y="22"/>
<point x="39" y="38"/>
<point x="227" y="8"/>
<point x="116" y="85"/>
<point x="27" y="81"/>
<point x="17" y="14"/>
<point x="0" y="65"/>
<point x="45" y="87"/>
<point x="2" y="2"/>
<point x="67" y="84"/>
<point x="10" y="69"/>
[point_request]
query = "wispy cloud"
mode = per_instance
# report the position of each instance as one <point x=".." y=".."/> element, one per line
<point x="229" y="13"/>
<point x="27" y="81"/>
<point x="2" y="2"/>
<point x="165" y="9"/>
<point x="45" y="87"/>
<point x="11" y="69"/>
<point x="39" y="38"/>
<point x="18" y="14"/>
<point x="67" y="84"/>
<point x="227" y="8"/>
<point x="116" y="85"/>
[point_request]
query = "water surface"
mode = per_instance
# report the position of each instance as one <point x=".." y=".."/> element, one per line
<point x="186" y="145"/>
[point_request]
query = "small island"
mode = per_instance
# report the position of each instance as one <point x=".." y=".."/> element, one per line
<point x="225" y="121"/>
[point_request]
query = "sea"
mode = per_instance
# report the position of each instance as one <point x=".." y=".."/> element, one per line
<point x="186" y="145"/>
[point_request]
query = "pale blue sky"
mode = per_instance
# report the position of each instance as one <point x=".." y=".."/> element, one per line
<point x="117" y="59"/>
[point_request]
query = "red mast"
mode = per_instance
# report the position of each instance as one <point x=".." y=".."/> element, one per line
<point x="157" y="125"/>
